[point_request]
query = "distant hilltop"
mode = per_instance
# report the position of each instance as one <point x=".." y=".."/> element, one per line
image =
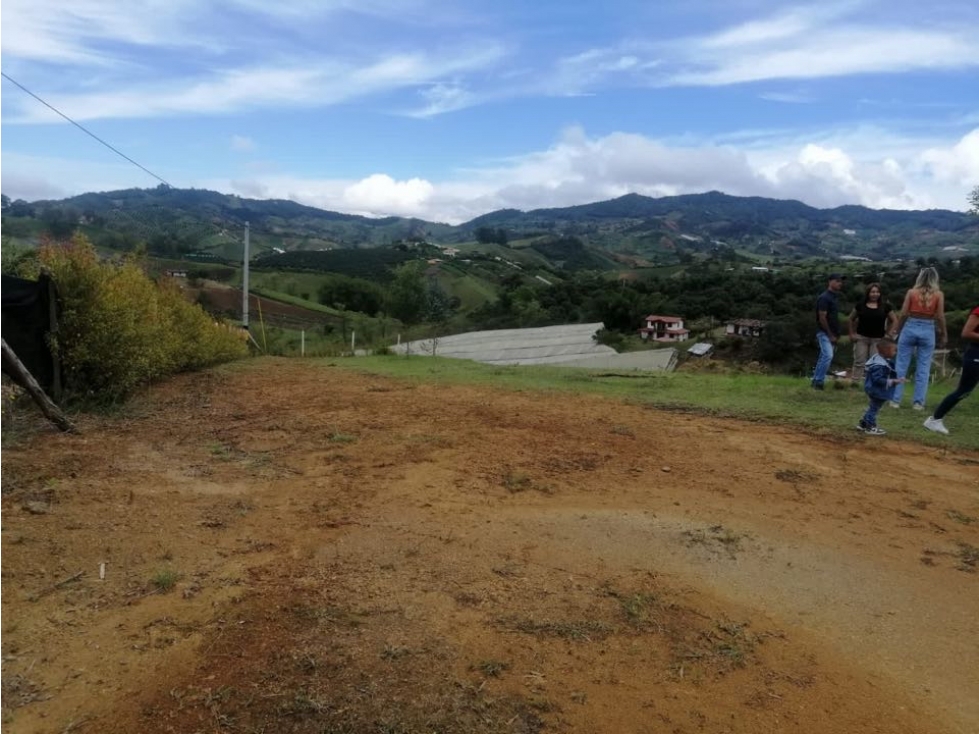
<point x="633" y="225"/>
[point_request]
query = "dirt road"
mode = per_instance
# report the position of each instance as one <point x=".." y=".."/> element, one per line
<point x="291" y="547"/>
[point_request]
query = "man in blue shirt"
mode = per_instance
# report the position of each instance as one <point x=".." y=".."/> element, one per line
<point x="828" y="327"/>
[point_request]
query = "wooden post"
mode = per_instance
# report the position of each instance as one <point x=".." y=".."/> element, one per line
<point x="16" y="369"/>
<point x="53" y="328"/>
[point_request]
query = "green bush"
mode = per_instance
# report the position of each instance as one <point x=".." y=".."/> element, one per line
<point x="119" y="330"/>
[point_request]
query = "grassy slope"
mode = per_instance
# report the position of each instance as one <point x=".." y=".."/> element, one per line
<point x="471" y="291"/>
<point x="773" y="399"/>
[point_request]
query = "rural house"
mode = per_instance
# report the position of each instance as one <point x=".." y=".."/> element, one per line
<point x="664" y="329"/>
<point x="745" y="327"/>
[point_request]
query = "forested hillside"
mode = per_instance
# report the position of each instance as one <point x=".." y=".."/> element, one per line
<point x="662" y="231"/>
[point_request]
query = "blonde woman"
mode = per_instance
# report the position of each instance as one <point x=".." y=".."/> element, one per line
<point x="922" y="317"/>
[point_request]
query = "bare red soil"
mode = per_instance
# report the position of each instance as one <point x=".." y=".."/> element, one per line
<point x="291" y="547"/>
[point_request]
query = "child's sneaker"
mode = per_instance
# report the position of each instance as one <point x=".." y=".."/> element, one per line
<point x="894" y="404"/>
<point x="918" y="406"/>
<point x="875" y="431"/>
<point x="936" y="425"/>
<point x="861" y="427"/>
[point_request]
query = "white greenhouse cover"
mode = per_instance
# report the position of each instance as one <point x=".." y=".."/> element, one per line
<point x="570" y="345"/>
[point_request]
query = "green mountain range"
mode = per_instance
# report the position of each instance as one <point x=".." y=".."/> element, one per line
<point x="630" y="230"/>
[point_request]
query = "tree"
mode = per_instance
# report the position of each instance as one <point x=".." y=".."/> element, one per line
<point x="974" y="201"/>
<point x="4" y="202"/>
<point x="439" y="305"/>
<point x="60" y="223"/>
<point x="356" y="294"/>
<point x="489" y="235"/>
<point x="20" y="208"/>
<point x="408" y="296"/>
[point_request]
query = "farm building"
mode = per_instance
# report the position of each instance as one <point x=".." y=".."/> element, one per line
<point x="745" y="327"/>
<point x="664" y="329"/>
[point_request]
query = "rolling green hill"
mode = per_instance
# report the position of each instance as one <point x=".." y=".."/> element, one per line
<point x="630" y="231"/>
<point x="656" y="228"/>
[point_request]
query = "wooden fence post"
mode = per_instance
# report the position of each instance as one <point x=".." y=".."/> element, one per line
<point x="53" y="329"/>
<point x="20" y="374"/>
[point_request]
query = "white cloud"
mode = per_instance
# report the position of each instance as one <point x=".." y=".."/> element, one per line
<point x="79" y="32"/>
<point x="785" y="24"/>
<point x="380" y="194"/>
<point x="788" y="97"/>
<point x="958" y="165"/>
<point x="444" y="97"/>
<point x="242" y="144"/>
<point x="48" y="177"/>
<point x="313" y="83"/>
<point x="32" y="188"/>
<point x="625" y="64"/>
<point x="95" y="59"/>
<point x="867" y="166"/>
<point x="828" y="177"/>
<point x="840" y="53"/>
<point x="816" y="43"/>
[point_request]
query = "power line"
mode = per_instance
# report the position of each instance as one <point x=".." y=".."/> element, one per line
<point x="84" y="130"/>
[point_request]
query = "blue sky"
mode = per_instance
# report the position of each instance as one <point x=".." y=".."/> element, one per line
<point x="447" y="110"/>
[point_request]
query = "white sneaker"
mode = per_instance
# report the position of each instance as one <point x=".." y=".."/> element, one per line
<point x="936" y="425"/>
<point x="894" y="404"/>
<point x="918" y="406"/>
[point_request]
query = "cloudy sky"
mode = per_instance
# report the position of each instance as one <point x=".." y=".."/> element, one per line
<point x="447" y="109"/>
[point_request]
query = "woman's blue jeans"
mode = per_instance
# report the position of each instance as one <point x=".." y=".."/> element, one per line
<point x="918" y="339"/>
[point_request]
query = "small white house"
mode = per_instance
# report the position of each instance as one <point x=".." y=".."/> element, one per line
<point x="664" y="329"/>
<point x="745" y="327"/>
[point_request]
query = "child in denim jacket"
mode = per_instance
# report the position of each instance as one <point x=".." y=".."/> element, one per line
<point x="880" y="379"/>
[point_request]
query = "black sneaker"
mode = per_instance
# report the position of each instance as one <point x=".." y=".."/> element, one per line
<point x="818" y="386"/>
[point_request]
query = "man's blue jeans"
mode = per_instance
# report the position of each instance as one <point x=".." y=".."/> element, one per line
<point x="825" y="358"/>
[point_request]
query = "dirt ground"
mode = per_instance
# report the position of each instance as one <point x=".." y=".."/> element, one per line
<point x="294" y="547"/>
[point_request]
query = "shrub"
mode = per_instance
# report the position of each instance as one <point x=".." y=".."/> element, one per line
<point x="119" y="330"/>
<point x="613" y="339"/>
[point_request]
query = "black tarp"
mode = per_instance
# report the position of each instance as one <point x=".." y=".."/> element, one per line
<point x="26" y="323"/>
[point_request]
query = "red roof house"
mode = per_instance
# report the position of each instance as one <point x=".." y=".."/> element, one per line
<point x="664" y="329"/>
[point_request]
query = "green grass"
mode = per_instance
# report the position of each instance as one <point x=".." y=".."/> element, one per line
<point x="470" y="290"/>
<point x="291" y="284"/>
<point x="765" y="398"/>
<point x="165" y="579"/>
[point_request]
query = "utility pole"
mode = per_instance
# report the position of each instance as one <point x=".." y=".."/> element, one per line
<point x="244" y="284"/>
